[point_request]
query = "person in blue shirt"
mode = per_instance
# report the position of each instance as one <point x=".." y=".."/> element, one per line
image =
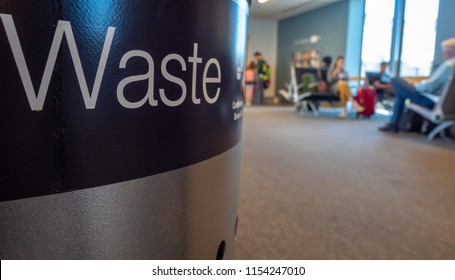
<point x="434" y="85"/>
<point x="382" y="81"/>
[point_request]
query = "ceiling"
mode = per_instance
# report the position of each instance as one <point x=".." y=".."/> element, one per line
<point x="279" y="9"/>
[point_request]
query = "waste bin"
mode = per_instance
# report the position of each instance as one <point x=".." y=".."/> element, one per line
<point x="120" y="128"/>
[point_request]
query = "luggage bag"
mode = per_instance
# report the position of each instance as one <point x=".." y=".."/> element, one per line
<point x="366" y="96"/>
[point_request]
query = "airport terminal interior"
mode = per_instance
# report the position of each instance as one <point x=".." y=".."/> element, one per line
<point x="151" y="120"/>
<point x="314" y="186"/>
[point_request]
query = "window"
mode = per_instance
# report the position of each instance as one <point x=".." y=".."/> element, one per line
<point x="377" y="33"/>
<point x="417" y="39"/>
<point x="419" y="36"/>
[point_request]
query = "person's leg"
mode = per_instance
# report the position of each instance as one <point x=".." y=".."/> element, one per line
<point x="344" y="92"/>
<point x="345" y="95"/>
<point x="260" y="92"/>
<point x="403" y="90"/>
<point x="423" y="101"/>
<point x="248" y="94"/>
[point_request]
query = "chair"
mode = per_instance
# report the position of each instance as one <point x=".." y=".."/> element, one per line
<point x="443" y="112"/>
<point x="304" y="100"/>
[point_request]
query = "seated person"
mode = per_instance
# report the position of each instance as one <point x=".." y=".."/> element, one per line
<point x="382" y="81"/>
<point x="434" y="85"/>
<point x="322" y="83"/>
<point x="326" y="62"/>
<point x="338" y="84"/>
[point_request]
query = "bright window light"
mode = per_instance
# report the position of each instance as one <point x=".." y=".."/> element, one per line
<point x="419" y="37"/>
<point x="377" y="33"/>
<point x="419" y="34"/>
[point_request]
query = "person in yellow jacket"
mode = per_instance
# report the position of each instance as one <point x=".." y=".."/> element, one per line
<point x="263" y="77"/>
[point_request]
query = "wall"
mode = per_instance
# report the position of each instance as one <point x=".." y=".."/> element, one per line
<point x="330" y="22"/>
<point x="262" y="37"/>
<point x="445" y="27"/>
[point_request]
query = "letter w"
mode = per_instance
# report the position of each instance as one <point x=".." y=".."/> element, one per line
<point x="63" y="28"/>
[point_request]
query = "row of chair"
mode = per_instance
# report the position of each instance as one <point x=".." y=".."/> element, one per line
<point x="308" y="99"/>
<point x="442" y="114"/>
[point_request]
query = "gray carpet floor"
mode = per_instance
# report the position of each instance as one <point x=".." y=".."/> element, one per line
<point x="324" y="188"/>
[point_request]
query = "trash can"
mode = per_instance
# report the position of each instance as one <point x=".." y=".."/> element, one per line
<point x="120" y="128"/>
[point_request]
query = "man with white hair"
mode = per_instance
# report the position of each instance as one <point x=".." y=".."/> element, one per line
<point x="434" y="85"/>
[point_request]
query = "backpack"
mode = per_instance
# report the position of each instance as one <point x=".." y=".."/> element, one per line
<point x="266" y="83"/>
<point x="410" y="121"/>
<point x="265" y="74"/>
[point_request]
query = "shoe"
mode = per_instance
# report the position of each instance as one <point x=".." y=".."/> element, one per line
<point x="357" y="107"/>
<point x="389" y="127"/>
<point x="342" y="115"/>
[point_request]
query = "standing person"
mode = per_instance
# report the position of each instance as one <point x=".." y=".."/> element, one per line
<point x="250" y="82"/>
<point x="434" y="85"/>
<point x="263" y="79"/>
<point x="338" y="83"/>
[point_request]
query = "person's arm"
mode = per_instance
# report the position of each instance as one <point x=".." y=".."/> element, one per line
<point x="332" y="76"/>
<point x="439" y="77"/>
<point x="346" y="75"/>
<point x="379" y="85"/>
<point x="335" y="72"/>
